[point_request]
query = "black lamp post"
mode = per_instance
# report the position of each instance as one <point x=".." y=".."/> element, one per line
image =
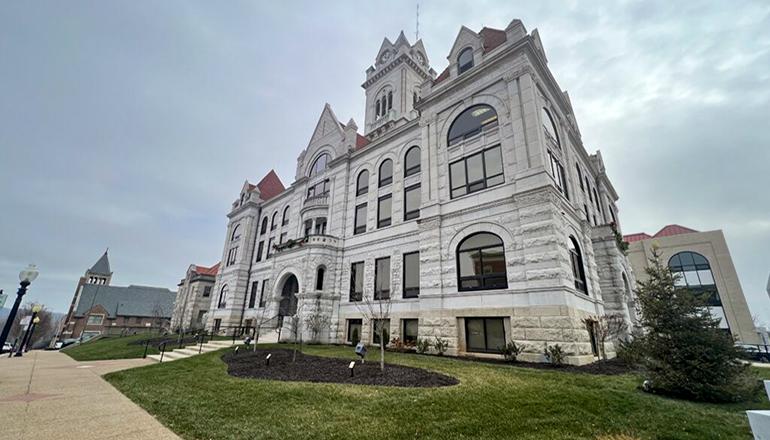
<point x="26" y="276"/>
<point x="34" y="319"/>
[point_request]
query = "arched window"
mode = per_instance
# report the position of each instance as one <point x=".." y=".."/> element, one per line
<point x="412" y="161"/>
<point x="285" y="220"/>
<point x="319" y="278"/>
<point x="236" y="233"/>
<point x="320" y="164"/>
<point x="464" y="60"/>
<point x="377" y="108"/>
<point x="390" y="99"/>
<point x="471" y="122"/>
<point x="263" y="229"/>
<point x="576" y="261"/>
<point x="362" y="183"/>
<point x="694" y="274"/>
<point x="274" y="221"/>
<point x="386" y="172"/>
<point x="222" y="302"/>
<point x="481" y="263"/>
<point x="549" y="127"/>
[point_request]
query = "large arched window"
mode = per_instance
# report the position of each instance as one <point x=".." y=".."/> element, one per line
<point x="576" y="261"/>
<point x="274" y="221"/>
<point x="481" y="263"/>
<point x="236" y="233"/>
<point x="263" y="229"/>
<point x="471" y="122"/>
<point x="285" y="220"/>
<point x="386" y="172"/>
<point x="222" y="302"/>
<point x="549" y="127"/>
<point x="362" y="183"/>
<point x="320" y="164"/>
<point x="464" y="60"/>
<point x="412" y="161"/>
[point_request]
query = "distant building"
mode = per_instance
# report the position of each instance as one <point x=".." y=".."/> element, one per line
<point x="193" y="297"/>
<point x="98" y="308"/>
<point x="706" y="268"/>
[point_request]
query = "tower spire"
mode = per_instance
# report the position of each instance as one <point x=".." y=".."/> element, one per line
<point x="417" y="24"/>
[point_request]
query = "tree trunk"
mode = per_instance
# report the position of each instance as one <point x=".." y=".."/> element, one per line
<point x="382" y="348"/>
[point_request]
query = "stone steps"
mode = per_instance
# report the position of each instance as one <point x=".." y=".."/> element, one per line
<point x="268" y="337"/>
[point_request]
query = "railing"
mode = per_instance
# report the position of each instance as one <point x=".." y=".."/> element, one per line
<point x="312" y="240"/>
<point x="319" y="200"/>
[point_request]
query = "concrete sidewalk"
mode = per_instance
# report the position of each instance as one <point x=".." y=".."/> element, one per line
<point x="46" y="394"/>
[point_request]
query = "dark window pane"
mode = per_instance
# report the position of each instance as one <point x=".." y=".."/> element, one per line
<point x="384" y="211"/>
<point x="494" y="260"/>
<point x="412" y="161"/>
<point x="475" y="168"/>
<point x="464" y="60"/>
<point x="493" y="161"/>
<point x="386" y="172"/>
<point x="382" y="278"/>
<point x="360" y="219"/>
<point x="495" y="331"/>
<point x="362" y="184"/>
<point x="481" y="239"/>
<point x="549" y="127"/>
<point x="411" y="275"/>
<point x="412" y="202"/>
<point x="410" y="330"/>
<point x="470" y="122"/>
<point x="474" y="335"/>
<point x="457" y="174"/>
<point x="469" y="262"/>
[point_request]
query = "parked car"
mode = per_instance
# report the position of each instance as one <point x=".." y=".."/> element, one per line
<point x="63" y="343"/>
<point x="754" y="353"/>
<point x="7" y="347"/>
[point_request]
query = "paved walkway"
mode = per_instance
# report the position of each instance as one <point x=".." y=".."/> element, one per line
<point x="48" y="395"/>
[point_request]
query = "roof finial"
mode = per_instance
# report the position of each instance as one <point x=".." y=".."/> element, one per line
<point x="417" y="25"/>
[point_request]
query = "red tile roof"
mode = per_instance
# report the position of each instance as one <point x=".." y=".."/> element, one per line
<point x="492" y="38"/>
<point x="207" y="270"/>
<point x="630" y="238"/>
<point x="667" y="231"/>
<point x="361" y="141"/>
<point x="270" y="186"/>
<point x="673" y="230"/>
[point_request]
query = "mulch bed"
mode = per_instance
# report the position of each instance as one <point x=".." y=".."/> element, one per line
<point x="308" y="368"/>
<point x="610" y="367"/>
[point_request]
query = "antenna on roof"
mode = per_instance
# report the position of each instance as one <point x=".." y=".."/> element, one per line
<point x="417" y="26"/>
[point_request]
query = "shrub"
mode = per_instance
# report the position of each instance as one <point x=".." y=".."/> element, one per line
<point x="423" y="345"/>
<point x="396" y="344"/>
<point x="440" y="345"/>
<point x="554" y="354"/>
<point x="685" y="352"/>
<point x="630" y="352"/>
<point x="354" y="337"/>
<point x="511" y="351"/>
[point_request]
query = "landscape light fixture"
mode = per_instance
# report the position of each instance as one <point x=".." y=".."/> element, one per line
<point x="26" y="277"/>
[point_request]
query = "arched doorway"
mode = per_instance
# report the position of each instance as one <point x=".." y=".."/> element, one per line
<point x="288" y="304"/>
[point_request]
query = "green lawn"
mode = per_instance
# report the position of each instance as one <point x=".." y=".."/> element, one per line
<point x="112" y="347"/>
<point x="197" y="399"/>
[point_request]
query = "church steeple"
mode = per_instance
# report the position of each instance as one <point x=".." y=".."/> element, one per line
<point x="100" y="272"/>
<point x="393" y="83"/>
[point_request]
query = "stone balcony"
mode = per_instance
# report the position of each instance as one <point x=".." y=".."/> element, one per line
<point x="318" y="240"/>
<point x="319" y="201"/>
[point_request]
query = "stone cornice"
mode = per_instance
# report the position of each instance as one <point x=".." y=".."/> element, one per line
<point x="403" y="58"/>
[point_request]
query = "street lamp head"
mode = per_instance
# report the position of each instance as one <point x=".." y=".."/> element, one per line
<point x="29" y="274"/>
<point x="36" y="308"/>
<point x="36" y="320"/>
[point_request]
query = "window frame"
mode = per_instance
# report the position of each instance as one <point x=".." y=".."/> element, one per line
<point x="313" y="171"/>
<point x="273" y="221"/>
<point x="253" y="294"/>
<point x="260" y="249"/>
<point x="269" y="247"/>
<point x="222" y="299"/>
<point x="469" y="185"/>
<point x="483" y="125"/>
<point x="410" y="292"/>
<point x="387" y="180"/>
<point x="415" y="213"/>
<point x="485" y="320"/>
<point x="95" y="315"/>
<point x="468" y="64"/>
<point x="482" y="278"/>
<point x="354" y="295"/>
<point x="380" y="295"/>
<point x="361" y="190"/>
<point x="578" y="265"/>
<point x="236" y="230"/>
<point x="320" y="273"/>
<point x="414" y="169"/>
<point x="404" y="337"/>
<point x="262" y="299"/>
<point x="354" y="322"/>
<point x="362" y="228"/>
<point x="384" y="222"/>
<point x="285" y="219"/>
<point x="207" y="291"/>
<point x="547" y="117"/>
<point x="376" y="334"/>
<point x="263" y="228"/>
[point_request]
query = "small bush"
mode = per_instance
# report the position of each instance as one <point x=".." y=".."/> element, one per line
<point x="440" y="345"/>
<point x="554" y="354"/>
<point x="354" y="337"/>
<point x="511" y="351"/>
<point x="630" y="352"/>
<point x="423" y="345"/>
<point x="396" y="344"/>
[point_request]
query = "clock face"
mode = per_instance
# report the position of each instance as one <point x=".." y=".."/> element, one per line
<point x="385" y="56"/>
<point x="420" y="58"/>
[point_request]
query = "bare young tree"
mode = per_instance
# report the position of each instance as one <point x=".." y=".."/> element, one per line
<point x="317" y="321"/>
<point x="377" y="310"/>
<point x="606" y="327"/>
<point x="296" y="329"/>
<point x="158" y="315"/>
<point x="260" y="321"/>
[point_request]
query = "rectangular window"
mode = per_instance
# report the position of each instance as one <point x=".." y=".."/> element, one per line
<point x="588" y="216"/>
<point x="378" y="326"/>
<point x="357" y="281"/>
<point x="557" y="171"/>
<point x="412" y="202"/>
<point x="95" y="319"/>
<point x="253" y="294"/>
<point x="591" y="327"/>
<point x="484" y="335"/>
<point x="259" y="250"/>
<point x="282" y="239"/>
<point x="207" y="291"/>
<point x="231" y="256"/>
<point x="217" y="325"/>
<point x="269" y="248"/>
<point x="384" y="210"/>
<point x="201" y="314"/>
<point x="360" y="219"/>
<point x="354" y="331"/>
<point x="476" y="172"/>
<point x="411" y="275"/>
<point x="308" y="227"/>
<point x="320" y="189"/>
<point x="320" y="226"/>
<point x="409" y="331"/>
<point x="580" y="177"/>
<point x="262" y="297"/>
<point x="382" y="278"/>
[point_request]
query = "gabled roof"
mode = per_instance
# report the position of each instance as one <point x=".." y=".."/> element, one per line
<point x="102" y="266"/>
<point x="127" y="301"/>
<point x="203" y="270"/>
<point x="361" y="141"/>
<point x="270" y="186"/>
<point x="492" y="38"/>
<point x="666" y="231"/>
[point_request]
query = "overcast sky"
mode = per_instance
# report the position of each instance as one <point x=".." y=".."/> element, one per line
<point x="132" y="125"/>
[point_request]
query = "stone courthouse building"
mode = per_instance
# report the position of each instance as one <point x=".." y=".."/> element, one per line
<point x="469" y="201"/>
<point x="193" y="298"/>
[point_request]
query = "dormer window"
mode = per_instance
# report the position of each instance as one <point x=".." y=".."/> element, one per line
<point x="464" y="60"/>
<point x="320" y="164"/>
